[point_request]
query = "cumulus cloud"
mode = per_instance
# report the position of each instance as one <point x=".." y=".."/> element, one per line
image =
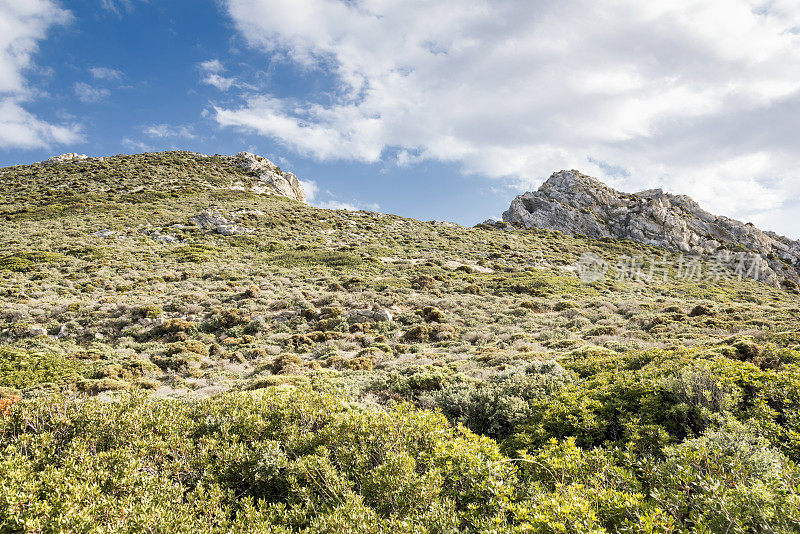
<point x="212" y="65"/>
<point x="212" y="70"/>
<point x="136" y="146"/>
<point x="349" y="206"/>
<point x="21" y="129"/>
<point x="699" y="97"/>
<point x="22" y="26"/>
<point x="313" y="193"/>
<point x="220" y="82"/>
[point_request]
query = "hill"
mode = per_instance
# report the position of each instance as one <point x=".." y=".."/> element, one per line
<point x="186" y="349"/>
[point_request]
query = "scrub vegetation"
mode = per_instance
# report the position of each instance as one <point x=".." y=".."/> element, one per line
<point x="334" y="371"/>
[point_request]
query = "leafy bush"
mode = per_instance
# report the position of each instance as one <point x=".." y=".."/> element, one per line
<point x="311" y="258"/>
<point x="274" y="460"/>
<point x="728" y="480"/>
<point x="192" y="253"/>
<point x="25" y="261"/>
<point x="23" y="369"/>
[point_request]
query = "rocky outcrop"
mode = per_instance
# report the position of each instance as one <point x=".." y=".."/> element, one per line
<point x="270" y="179"/>
<point x="71" y="157"/>
<point x="574" y="203"/>
<point x="216" y="221"/>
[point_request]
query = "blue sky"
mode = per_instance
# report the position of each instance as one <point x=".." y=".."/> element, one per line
<point x="432" y="110"/>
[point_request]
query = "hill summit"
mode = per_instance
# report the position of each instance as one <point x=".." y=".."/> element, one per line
<point x="575" y="203"/>
<point x="244" y="171"/>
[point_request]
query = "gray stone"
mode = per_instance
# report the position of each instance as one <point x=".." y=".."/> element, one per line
<point x="70" y="157"/>
<point x="574" y="203"/>
<point x="382" y="315"/>
<point x="214" y="220"/>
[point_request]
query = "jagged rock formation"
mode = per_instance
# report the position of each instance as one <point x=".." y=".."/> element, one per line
<point x="574" y="203"/>
<point x="270" y="178"/>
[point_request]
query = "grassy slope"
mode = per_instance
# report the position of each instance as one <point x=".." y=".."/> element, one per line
<point x="479" y="314"/>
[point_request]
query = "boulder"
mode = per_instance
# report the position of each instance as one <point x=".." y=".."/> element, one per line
<point x="214" y="220"/>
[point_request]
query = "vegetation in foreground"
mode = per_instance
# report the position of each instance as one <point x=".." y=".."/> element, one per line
<point x="334" y="371"/>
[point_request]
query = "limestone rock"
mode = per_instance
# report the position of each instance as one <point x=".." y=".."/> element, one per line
<point x="270" y="178"/>
<point x="214" y="220"/>
<point x="65" y="158"/>
<point x="574" y="203"/>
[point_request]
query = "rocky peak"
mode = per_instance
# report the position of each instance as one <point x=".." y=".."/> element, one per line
<point x="270" y="178"/>
<point x="569" y="181"/>
<point x="575" y="203"/>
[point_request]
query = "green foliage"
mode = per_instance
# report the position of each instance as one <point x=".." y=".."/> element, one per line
<point x="651" y="400"/>
<point x="23" y="369"/>
<point x="25" y="261"/>
<point x="192" y="253"/>
<point x="277" y="460"/>
<point x="584" y="427"/>
<point x="728" y="480"/>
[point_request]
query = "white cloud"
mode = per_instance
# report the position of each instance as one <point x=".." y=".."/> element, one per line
<point x="21" y="129"/>
<point x="105" y="73"/>
<point x="22" y="26"/>
<point x="88" y="93"/>
<point x="220" y="82"/>
<point x="136" y="146"/>
<point x="310" y="188"/>
<point x="166" y="130"/>
<point x="213" y="70"/>
<point x="697" y="96"/>
<point x="312" y="191"/>
<point x="212" y="65"/>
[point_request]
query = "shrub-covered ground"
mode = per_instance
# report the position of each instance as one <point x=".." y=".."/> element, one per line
<point x="350" y="371"/>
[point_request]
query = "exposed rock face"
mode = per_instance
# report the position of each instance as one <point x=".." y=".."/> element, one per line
<point x="574" y="203"/>
<point x="65" y="158"/>
<point x="271" y="180"/>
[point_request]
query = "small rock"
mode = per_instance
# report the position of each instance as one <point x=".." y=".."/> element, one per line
<point x="383" y="315"/>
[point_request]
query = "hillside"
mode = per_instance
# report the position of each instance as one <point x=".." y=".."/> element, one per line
<point x="186" y="346"/>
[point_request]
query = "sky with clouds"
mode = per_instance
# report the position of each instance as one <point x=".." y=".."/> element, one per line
<point x="432" y="110"/>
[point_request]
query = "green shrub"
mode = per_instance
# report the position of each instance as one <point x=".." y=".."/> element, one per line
<point x="276" y="460"/>
<point x="192" y="253"/>
<point x="22" y="369"/>
<point x="21" y="262"/>
<point x="312" y="258"/>
<point x="728" y="480"/>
